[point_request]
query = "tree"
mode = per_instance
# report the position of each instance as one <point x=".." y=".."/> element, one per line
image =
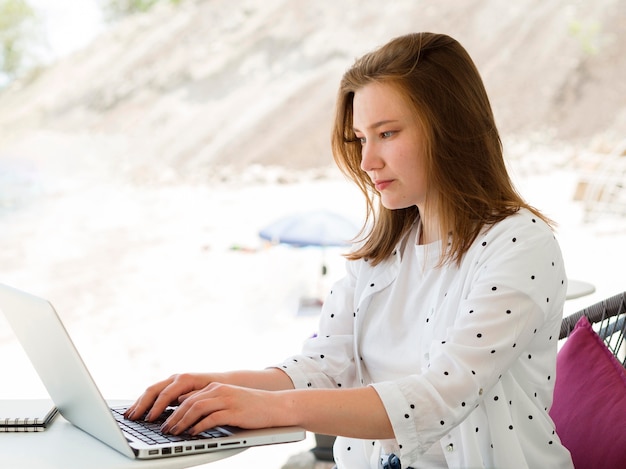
<point x="17" y="19"/>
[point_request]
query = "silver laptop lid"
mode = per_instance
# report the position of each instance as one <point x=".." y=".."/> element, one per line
<point x="61" y="369"/>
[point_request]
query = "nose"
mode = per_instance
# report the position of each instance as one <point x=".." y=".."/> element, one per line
<point x="370" y="159"/>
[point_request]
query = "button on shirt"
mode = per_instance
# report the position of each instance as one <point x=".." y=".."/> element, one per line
<point x="463" y="357"/>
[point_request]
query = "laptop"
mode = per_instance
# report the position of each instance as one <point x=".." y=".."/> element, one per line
<point x="74" y="392"/>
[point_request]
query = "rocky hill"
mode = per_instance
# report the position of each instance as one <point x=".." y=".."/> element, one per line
<point x="189" y="91"/>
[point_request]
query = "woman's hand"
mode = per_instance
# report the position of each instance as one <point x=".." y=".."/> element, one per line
<point x="223" y="404"/>
<point x="170" y="391"/>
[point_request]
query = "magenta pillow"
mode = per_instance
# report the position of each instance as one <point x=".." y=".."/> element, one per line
<point x="589" y="407"/>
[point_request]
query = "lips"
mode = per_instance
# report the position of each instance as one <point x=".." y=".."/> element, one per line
<point x="381" y="184"/>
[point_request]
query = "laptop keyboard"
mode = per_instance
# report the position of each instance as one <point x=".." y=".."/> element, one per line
<point x="150" y="432"/>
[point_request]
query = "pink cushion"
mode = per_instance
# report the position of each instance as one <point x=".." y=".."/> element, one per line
<point x="589" y="407"/>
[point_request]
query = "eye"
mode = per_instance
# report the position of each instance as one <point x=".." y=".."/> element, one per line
<point x="358" y="139"/>
<point x="387" y="134"/>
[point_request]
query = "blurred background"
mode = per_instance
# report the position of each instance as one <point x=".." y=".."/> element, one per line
<point x="145" y="143"/>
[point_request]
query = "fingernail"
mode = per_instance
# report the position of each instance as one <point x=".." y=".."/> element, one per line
<point x="174" y="430"/>
<point x="164" y="428"/>
<point x="131" y="415"/>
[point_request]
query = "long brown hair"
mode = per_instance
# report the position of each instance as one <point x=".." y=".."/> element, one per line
<point x="468" y="184"/>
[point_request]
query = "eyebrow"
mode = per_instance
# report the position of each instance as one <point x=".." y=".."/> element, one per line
<point x="378" y="124"/>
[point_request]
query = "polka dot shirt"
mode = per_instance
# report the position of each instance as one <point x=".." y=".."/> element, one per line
<point x="462" y="357"/>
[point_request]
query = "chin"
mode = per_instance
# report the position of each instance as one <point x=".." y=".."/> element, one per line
<point x="396" y="206"/>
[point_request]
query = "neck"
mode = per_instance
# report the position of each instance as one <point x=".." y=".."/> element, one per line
<point x="429" y="231"/>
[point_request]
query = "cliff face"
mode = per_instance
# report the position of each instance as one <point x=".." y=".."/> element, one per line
<point x="184" y="90"/>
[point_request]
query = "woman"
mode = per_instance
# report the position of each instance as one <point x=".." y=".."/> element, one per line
<point x="438" y="347"/>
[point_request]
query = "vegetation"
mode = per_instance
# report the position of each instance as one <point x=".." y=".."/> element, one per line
<point x="17" y="23"/>
<point x="116" y="9"/>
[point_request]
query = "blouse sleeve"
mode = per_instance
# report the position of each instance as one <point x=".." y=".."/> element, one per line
<point x="505" y="325"/>
<point x="327" y="359"/>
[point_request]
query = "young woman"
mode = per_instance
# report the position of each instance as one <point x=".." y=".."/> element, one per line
<point x="438" y="348"/>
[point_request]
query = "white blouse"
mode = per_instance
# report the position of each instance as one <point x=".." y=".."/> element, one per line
<point x="462" y="357"/>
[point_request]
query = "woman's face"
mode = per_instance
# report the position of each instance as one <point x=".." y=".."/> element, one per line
<point x="391" y="145"/>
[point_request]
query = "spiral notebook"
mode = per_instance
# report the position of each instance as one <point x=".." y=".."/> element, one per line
<point x="26" y="415"/>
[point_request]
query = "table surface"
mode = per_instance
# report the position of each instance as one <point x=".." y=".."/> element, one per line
<point x="65" y="446"/>
<point x="578" y="288"/>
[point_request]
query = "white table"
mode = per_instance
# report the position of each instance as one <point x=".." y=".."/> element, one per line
<point x="63" y="446"/>
<point x="578" y="288"/>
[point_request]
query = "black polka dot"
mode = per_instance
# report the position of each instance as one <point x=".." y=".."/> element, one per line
<point x="514" y="239"/>
<point x="406" y="416"/>
<point x="479" y="335"/>
<point x="484" y="243"/>
<point x="471" y="311"/>
<point x="508" y="311"/>
<point x="332" y="315"/>
<point x="446" y="373"/>
<point x="442" y="422"/>
<point x="349" y="448"/>
<point x="510" y="427"/>
<point x="462" y="404"/>
<point x="495" y="398"/>
<point x="322" y="356"/>
<point x="532" y="277"/>
<point x="371" y="284"/>
<point x="534" y="221"/>
<point x="493" y="351"/>
<point x="412" y="406"/>
<point x="530" y="417"/>
<point x="494" y="288"/>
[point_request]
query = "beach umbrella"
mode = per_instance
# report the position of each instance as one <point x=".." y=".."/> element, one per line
<point x="312" y="228"/>
<point x="320" y="228"/>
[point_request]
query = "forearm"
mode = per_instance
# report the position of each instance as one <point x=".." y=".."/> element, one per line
<point x="271" y="379"/>
<point x="356" y="413"/>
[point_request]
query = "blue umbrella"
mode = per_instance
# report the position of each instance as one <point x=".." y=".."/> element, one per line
<point x="314" y="228"/>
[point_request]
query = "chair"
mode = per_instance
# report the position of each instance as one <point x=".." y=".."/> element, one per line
<point x="609" y="317"/>
<point x="589" y="406"/>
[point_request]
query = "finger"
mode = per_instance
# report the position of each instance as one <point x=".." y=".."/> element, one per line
<point x="158" y="396"/>
<point x="146" y="400"/>
<point x="215" y="419"/>
<point x="186" y="396"/>
<point x="188" y="414"/>
<point x="168" y="396"/>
